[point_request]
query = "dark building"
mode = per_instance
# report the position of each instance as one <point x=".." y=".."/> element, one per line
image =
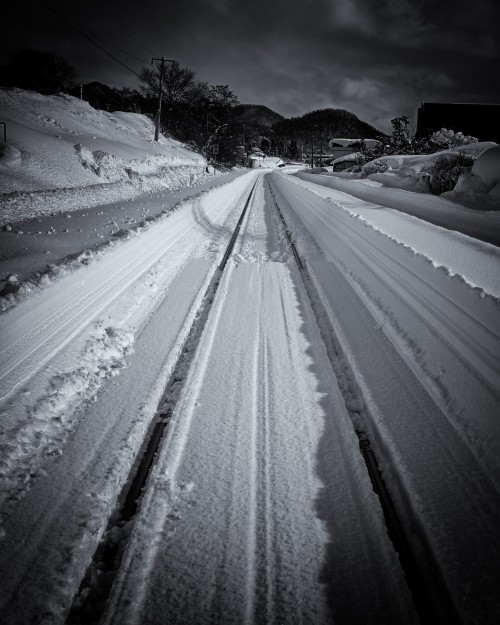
<point x="479" y="120"/>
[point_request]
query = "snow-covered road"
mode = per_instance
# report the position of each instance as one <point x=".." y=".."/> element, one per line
<point x="260" y="508"/>
<point x="424" y="348"/>
<point x="481" y="224"/>
<point x="67" y="415"/>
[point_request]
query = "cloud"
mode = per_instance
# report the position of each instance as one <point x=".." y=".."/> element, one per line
<point x="376" y="58"/>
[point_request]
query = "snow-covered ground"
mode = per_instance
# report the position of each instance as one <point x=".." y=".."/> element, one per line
<point x="266" y="161"/>
<point x="62" y="155"/>
<point x="260" y="508"/>
<point x="264" y="418"/>
<point x="74" y="180"/>
<point x="478" y="189"/>
<point x="438" y="210"/>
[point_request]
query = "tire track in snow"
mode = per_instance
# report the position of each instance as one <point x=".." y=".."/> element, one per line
<point x="429" y="604"/>
<point x="188" y="559"/>
<point x="109" y="551"/>
<point x="456" y="328"/>
<point x="77" y="352"/>
<point x="58" y="326"/>
<point x="469" y="494"/>
<point x="260" y="568"/>
<point x="252" y="538"/>
<point x="42" y="326"/>
<point x="445" y="343"/>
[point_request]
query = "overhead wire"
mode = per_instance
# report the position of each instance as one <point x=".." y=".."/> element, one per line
<point x="113" y="20"/>
<point x="183" y="113"/>
<point x="65" y="19"/>
<point x="136" y="58"/>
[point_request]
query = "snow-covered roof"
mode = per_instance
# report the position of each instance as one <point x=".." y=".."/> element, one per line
<point x="345" y="143"/>
<point x="348" y="157"/>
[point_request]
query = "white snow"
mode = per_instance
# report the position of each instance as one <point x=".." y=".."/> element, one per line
<point x="62" y="154"/>
<point x="438" y="210"/>
<point x="235" y="453"/>
<point x="408" y="172"/>
<point x="432" y="407"/>
<point x="474" y="261"/>
<point x="260" y="508"/>
<point x="480" y="188"/>
<point x="81" y="180"/>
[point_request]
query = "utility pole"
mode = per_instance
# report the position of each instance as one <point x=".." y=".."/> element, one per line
<point x="158" y="114"/>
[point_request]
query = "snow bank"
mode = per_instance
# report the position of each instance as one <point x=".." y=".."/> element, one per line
<point x="481" y="186"/>
<point x="60" y="144"/>
<point x="51" y="418"/>
<point x="408" y="171"/>
<point x="398" y="215"/>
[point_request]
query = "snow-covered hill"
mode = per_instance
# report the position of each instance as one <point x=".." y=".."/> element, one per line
<point x="60" y="144"/>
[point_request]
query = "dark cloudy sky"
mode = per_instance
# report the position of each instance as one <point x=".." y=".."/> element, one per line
<point x="376" y="58"/>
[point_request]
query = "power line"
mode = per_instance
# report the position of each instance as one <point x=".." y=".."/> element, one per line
<point x="184" y="114"/>
<point x="113" y="21"/>
<point x="136" y="58"/>
<point x="65" y="19"/>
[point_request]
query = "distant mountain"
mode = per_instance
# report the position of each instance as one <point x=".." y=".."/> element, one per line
<point x="256" y="118"/>
<point x="325" y="124"/>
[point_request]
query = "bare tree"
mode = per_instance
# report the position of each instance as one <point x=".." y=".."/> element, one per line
<point x="178" y="82"/>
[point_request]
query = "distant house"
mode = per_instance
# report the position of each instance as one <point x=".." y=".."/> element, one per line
<point x="343" y="147"/>
<point x="479" y="120"/>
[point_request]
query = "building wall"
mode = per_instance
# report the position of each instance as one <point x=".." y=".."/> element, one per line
<point x="479" y="120"/>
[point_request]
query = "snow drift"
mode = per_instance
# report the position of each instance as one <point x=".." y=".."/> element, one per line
<point x="60" y="145"/>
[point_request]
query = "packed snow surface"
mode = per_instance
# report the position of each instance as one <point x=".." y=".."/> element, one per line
<point x="425" y="349"/>
<point x="438" y="210"/>
<point x="403" y="218"/>
<point x="263" y="419"/>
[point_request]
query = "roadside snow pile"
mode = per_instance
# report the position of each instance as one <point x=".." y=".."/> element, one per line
<point x="48" y="422"/>
<point x="60" y="145"/>
<point x="481" y="186"/>
<point x="411" y="172"/>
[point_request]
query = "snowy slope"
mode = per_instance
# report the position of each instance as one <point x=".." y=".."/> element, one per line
<point x="77" y="155"/>
<point x="74" y="180"/>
